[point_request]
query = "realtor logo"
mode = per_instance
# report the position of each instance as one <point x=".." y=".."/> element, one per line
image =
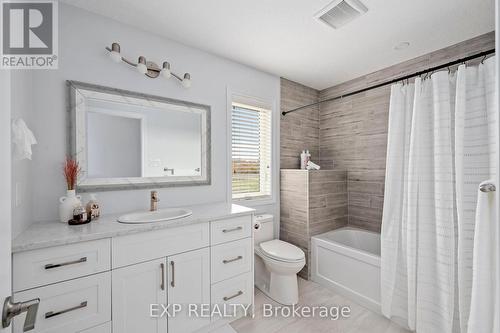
<point x="29" y="34"/>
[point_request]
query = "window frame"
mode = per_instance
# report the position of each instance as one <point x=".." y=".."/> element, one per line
<point x="260" y="103"/>
<point x="263" y="159"/>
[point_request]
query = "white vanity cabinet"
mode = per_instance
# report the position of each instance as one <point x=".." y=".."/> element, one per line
<point x="69" y="306"/>
<point x="114" y="284"/>
<point x="178" y="279"/>
<point x="188" y="283"/>
<point x="135" y="287"/>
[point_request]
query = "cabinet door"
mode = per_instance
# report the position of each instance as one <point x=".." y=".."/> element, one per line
<point x="188" y="283"/>
<point x="135" y="288"/>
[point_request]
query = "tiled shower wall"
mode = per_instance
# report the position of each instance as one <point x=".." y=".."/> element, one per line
<point x="352" y="132"/>
<point x="353" y="137"/>
<point x="312" y="202"/>
<point x="298" y="130"/>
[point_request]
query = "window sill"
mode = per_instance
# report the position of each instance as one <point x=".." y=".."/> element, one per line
<point x="254" y="201"/>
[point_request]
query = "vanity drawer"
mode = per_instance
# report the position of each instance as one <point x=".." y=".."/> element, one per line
<point x="70" y="306"/>
<point x="237" y="290"/>
<point x="151" y="245"/>
<point x="55" y="264"/>
<point x="228" y="230"/>
<point x="231" y="259"/>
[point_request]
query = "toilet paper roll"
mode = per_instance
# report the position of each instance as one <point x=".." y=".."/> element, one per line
<point x="257" y="225"/>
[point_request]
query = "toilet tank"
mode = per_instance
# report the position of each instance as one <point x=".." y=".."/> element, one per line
<point x="266" y="230"/>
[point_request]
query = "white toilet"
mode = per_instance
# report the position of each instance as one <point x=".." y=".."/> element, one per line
<point x="276" y="263"/>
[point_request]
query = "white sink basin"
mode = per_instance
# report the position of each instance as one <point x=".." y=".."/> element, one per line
<point x="157" y="216"/>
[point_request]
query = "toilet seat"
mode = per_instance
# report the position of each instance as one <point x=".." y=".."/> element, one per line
<point x="281" y="251"/>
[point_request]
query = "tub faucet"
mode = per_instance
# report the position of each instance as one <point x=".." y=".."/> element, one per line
<point x="154" y="201"/>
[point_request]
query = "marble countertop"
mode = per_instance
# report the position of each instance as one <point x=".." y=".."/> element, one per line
<point x="46" y="234"/>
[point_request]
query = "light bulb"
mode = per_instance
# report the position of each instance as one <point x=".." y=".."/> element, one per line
<point x="115" y="52"/>
<point x="166" y="70"/>
<point x="141" y="65"/>
<point x="115" y="56"/>
<point x="186" y="81"/>
<point x="141" y="68"/>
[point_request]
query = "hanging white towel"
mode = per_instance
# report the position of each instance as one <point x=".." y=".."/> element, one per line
<point x="23" y="139"/>
<point x="485" y="308"/>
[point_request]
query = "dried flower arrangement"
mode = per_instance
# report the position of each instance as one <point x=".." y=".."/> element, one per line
<point x="71" y="170"/>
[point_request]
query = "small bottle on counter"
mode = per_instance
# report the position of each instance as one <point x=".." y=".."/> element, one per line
<point x="79" y="216"/>
<point x="93" y="208"/>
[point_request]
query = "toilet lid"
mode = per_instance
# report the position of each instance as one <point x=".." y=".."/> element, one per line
<point x="281" y="250"/>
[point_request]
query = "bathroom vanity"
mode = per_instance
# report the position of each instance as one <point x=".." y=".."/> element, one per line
<point x="104" y="276"/>
<point x="143" y="271"/>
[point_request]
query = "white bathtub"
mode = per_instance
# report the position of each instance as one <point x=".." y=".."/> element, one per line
<point x="348" y="261"/>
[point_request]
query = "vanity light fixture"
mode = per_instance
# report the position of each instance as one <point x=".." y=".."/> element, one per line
<point x="166" y="70"/>
<point x="114" y="54"/>
<point x="141" y="65"/>
<point x="186" y="81"/>
<point x="148" y="68"/>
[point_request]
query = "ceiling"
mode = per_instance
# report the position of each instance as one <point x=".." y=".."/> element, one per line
<point x="282" y="37"/>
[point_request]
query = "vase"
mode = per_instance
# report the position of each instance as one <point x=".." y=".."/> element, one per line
<point x="67" y="204"/>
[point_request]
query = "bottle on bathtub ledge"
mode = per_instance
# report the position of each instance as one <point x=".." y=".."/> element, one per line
<point x="303" y="160"/>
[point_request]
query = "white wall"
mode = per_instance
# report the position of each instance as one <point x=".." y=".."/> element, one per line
<point x="5" y="193"/>
<point x="21" y="184"/>
<point x="82" y="38"/>
<point x="497" y="36"/>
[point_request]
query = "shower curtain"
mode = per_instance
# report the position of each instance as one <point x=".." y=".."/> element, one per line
<point x="441" y="146"/>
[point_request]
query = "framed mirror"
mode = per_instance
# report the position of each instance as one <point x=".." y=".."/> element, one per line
<point x="128" y="140"/>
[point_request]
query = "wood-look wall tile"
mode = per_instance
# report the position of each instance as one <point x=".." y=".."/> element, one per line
<point x="347" y="134"/>
<point x="324" y="226"/>
<point x="366" y="187"/>
<point x="299" y="130"/>
<point x="322" y="176"/>
<point x="365" y="212"/>
<point x="364" y="223"/>
<point x="312" y="202"/>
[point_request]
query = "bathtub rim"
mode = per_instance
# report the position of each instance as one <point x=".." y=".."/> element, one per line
<point x="350" y="251"/>
<point x="353" y="253"/>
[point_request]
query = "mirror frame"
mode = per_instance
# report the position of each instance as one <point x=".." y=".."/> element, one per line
<point x="131" y="183"/>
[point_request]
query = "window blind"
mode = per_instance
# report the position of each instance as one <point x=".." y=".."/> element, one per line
<point x="251" y="152"/>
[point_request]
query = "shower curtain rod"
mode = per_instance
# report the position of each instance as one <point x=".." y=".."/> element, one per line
<point x="406" y="77"/>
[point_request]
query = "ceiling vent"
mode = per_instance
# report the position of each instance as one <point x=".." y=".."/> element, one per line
<point x="341" y="12"/>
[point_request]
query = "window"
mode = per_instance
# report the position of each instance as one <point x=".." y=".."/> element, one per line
<point x="251" y="152"/>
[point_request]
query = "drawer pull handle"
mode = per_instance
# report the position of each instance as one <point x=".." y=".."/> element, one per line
<point x="51" y="314"/>
<point x="227" y="298"/>
<point x="162" y="285"/>
<point x="172" y="283"/>
<point x="227" y="261"/>
<point x="231" y="230"/>
<point x="50" y="266"/>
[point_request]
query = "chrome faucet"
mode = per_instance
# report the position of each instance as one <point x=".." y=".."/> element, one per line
<point x="154" y="201"/>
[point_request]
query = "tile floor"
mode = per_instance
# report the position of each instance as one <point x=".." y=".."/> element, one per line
<point x="361" y="319"/>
